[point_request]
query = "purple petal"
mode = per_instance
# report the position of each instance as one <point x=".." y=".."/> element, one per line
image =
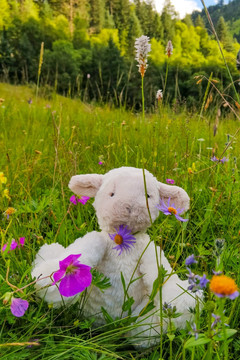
<point x="190" y="260"/>
<point x="180" y="218"/>
<point x="83" y="199"/>
<point x="69" y="260"/>
<point x="18" y="307"/>
<point x="73" y="199"/>
<point x="77" y="282"/>
<point x="13" y="245"/>
<point x="219" y="295"/>
<point x="22" y="241"/>
<point x="4" y="247"/>
<point x="233" y="295"/>
<point x="58" y="275"/>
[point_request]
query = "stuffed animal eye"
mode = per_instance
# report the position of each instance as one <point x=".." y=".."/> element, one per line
<point x="112" y="194"/>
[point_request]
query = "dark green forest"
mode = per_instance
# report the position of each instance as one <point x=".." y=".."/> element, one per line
<point x="85" y="49"/>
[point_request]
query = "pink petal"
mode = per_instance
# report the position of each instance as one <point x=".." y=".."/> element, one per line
<point x="83" y="199"/>
<point x="4" y="247"/>
<point x="13" y="245"/>
<point x="58" y="275"/>
<point x="75" y="283"/>
<point x="22" y="241"/>
<point x="73" y="199"/>
<point x="69" y="260"/>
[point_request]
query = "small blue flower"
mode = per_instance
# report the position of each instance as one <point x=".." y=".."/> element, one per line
<point x="194" y="331"/>
<point x="190" y="260"/>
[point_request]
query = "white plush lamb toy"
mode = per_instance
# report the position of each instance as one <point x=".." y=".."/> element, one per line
<point x="120" y="200"/>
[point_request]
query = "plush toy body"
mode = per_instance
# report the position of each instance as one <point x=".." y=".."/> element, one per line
<point x="120" y="199"/>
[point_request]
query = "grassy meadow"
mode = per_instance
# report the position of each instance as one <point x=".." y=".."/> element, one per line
<point x="43" y="142"/>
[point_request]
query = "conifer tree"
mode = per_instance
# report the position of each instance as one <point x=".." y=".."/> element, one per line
<point x="199" y="22"/>
<point x="168" y="20"/>
<point x="223" y="34"/>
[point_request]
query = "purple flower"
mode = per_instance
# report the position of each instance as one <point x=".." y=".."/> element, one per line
<point x="194" y="331"/>
<point x="170" y="181"/>
<point x="190" y="260"/>
<point x="100" y="163"/>
<point x="203" y="281"/>
<point x="216" y="159"/>
<point x="73" y="276"/>
<point x="19" y="306"/>
<point x="224" y="159"/>
<point x="123" y="238"/>
<point x="171" y="210"/>
<point x="166" y="306"/>
<point x="217" y="272"/>
<point x="216" y="321"/>
<point x="196" y="282"/>
<point x="14" y="244"/>
<point x="83" y="199"/>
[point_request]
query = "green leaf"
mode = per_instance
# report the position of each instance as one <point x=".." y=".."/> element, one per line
<point x="123" y="283"/>
<point x="99" y="280"/>
<point x="171" y="337"/>
<point x="202" y="339"/>
<point x="220" y="335"/>
<point x="127" y="304"/>
<point x="147" y="308"/>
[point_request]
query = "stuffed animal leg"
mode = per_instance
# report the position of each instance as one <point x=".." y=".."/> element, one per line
<point x="91" y="247"/>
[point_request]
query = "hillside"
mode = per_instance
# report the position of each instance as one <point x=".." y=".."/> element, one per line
<point x="230" y="12"/>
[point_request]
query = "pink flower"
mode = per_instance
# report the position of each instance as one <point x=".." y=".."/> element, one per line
<point x="83" y="199"/>
<point x="14" y="244"/>
<point x="19" y="306"/>
<point x="170" y="181"/>
<point x="73" y="276"/>
<point x="100" y="163"/>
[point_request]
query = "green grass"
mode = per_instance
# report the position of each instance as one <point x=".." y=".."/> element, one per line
<point x="42" y="147"/>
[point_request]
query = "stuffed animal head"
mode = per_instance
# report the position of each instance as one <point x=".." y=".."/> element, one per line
<point x="120" y="197"/>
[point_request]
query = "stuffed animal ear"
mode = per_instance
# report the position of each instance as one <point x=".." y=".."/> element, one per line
<point x="178" y="196"/>
<point x="86" y="185"/>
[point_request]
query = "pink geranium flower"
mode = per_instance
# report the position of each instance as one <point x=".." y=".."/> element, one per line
<point x="170" y="181"/>
<point x="83" y="199"/>
<point x="73" y="276"/>
<point x="14" y="244"/>
<point x="19" y="307"/>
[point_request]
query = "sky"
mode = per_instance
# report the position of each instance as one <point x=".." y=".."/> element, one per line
<point x="184" y="7"/>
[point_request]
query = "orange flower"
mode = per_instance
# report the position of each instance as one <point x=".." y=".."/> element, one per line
<point x="224" y="286"/>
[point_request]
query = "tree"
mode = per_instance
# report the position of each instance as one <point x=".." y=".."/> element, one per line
<point x="199" y="22"/>
<point x="97" y="15"/>
<point x="223" y="34"/>
<point x="168" y="18"/>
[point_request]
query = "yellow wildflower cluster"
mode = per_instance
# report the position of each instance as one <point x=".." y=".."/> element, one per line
<point x="3" y="181"/>
<point x="192" y="169"/>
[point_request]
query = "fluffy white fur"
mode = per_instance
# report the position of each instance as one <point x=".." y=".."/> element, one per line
<point x="120" y="199"/>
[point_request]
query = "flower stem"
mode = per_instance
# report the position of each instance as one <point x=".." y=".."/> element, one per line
<point x="225" y="344"/>
<point x="143" y="110"/>
<point x="165" y="83"/>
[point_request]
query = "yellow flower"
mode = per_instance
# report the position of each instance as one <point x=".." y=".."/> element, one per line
<point x="192" y="169"/>
<point x="3" y="179"/>
<point x="223" y="286"/>
<point x="6" y="194"/>
<point x="9" y="211"/>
